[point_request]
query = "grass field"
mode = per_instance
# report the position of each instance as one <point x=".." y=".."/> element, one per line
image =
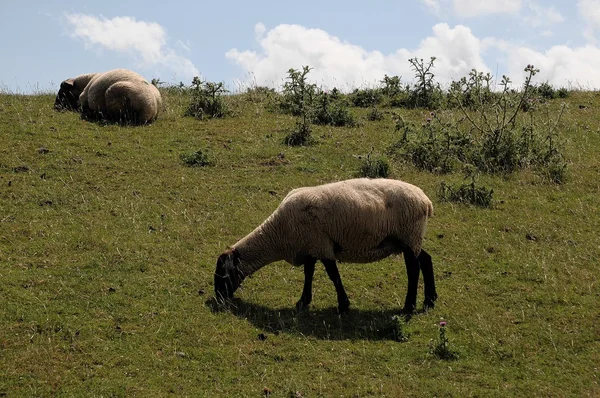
<point x="108" y="244"/>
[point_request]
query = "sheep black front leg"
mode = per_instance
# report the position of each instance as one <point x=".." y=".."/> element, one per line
<point x="306" y="298"/>
<point x="427" y="269"/>
<point x="412" y="271"/>
<point x="334" y="275"/>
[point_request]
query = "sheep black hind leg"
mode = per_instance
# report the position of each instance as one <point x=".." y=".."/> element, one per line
<point x="429" y="281"/>
<point x="412" y="271"/>
<point x="306" y="298"/>
<point x="334" y="275"/>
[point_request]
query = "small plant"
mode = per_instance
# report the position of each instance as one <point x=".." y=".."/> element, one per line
<point x="298" y="93"/>
<point x="374" y="114"/>
<point x="436" y="147"/>
<point x="366" y="97"/>
<point x="562" y="92"/>
<point x="260" y="94"/>
<point x="391" y="86"/>
<point x="298" y="97"/>
<point x="300" y="135"/>
<point x="398" y="332"/>
<point x="467" y="193"/>
<point x="206" y="100"/>
<point x="426" y="93"/>
<point x="441" y="346"/>
<point x="195" y="159"/>
<point x="374" y="167"/>
<point x="545" y="90"/>
<point x="332" y="110"/>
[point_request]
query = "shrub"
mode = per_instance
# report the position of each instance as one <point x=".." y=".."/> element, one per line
<point x="391" y="86"/>
<point x="298" y="95"/>
<point x="489" y="134"/>
<point x="374" y="114"/>
<point x="332" y="110"/>
<point x="300" y="135"/>
<point x="426" y="93"/>
<point x="436" y="147"/>
<point x="472" y="92"/>
<point x="260" y="94"/>
<point x="467" y="193"/>
<point x="374" y="167"/>
<point x="562" y="92"/>
<point x="545" y="90"/>
<point x="366" y="97"/>
<point x="206" y="100"/>
<point x="195" y="159"/>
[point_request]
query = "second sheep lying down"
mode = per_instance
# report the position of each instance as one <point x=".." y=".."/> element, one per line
<point x="355" y="221"/>
<point x="119" y="95"/>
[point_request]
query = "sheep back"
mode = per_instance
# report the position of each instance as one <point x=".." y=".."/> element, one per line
<point x="121" y="93"/>
<point x="358" y="220"/>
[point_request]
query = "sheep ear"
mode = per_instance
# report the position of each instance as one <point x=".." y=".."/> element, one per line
<point x="67" y="84"/>
<point x="223" y="258"/>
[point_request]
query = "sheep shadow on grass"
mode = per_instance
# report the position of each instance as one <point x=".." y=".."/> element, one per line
<point x="324" y="324"/>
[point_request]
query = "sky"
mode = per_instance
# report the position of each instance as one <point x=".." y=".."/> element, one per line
<point x="347" y="44"/>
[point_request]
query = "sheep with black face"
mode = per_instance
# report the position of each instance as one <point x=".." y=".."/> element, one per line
<point x="354" y="221"/>
<point x="119" y="95"/>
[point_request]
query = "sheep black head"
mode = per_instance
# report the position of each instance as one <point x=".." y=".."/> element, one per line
<point x="68" y="96"/>
<point x="228" y="276"/>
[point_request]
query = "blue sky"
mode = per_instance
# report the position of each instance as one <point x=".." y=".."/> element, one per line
<point x="348" y="43"/>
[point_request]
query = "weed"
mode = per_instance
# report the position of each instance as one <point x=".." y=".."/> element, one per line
<point x="467" y="193"/>
<point x="399" y="334"/>
<point x="298" y="94"/>
<point x="195" y="159"/>
<point x="374" y="114"/>
<point x="332" y="110"/>
<point x="366" y="97"/>
<point x="206" y="100"/>
<point x="426" y="93"/>
<point x="441" y="346"/>
<point x="300" y="135"/>
<point x="374" y="166"/>
<point x="490" y="134"/>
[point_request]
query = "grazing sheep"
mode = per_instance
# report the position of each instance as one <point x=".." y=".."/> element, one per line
<point x="355" y="221"/>
<point x="117" y="95"/>
<point x="69" y="92"/>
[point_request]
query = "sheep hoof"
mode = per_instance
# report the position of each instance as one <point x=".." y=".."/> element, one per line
<point x="301" y="306"/>
<point x="409" y="310"/>
<point x="343" y="306"/>
<point x="428" y="304"/>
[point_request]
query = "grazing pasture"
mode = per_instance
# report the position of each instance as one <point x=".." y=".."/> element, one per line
<point x="109" y="237"/>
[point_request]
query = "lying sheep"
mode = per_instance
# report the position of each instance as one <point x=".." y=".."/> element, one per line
<point x="355" y="221"/>
<point x="69" y="92"/>
<point x="116" y="95"/>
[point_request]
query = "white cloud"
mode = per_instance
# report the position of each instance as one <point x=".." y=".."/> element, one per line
<point x="336" y="62"/>
<point x="590" y="12"/>
<point x="559" y="65"/>
<point x="475" y="8"/>
<point x="432" y="5"/>
<point x="146" y="40"/>
<point x="539" y="15"/>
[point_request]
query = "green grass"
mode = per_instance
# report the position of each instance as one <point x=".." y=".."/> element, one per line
<point x="108" y="244"/>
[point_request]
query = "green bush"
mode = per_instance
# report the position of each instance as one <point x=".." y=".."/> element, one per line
<point x="366" y="97"/>
<point x="195" y="159"/>
<point x="374" y="167"/>
<point x="332" y="110"/>
<point x="206" y="100"/>
<point x="490" y="132"/>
